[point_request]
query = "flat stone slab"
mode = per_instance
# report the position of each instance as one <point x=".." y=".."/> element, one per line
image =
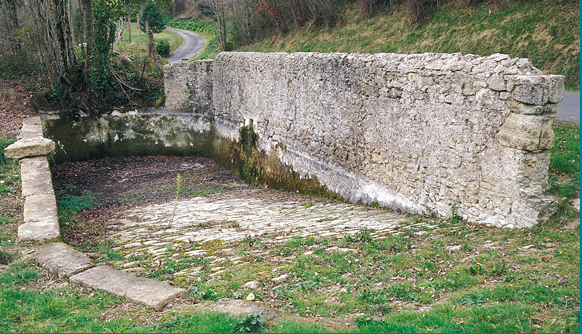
<point x="30" y="147"/>
<point x="238" y="308"/>
<point x="44" y="230"/>
<point x="34" y="165"/>
<point x="61" y="259"/>
<point x="38" y="208"/>
<point x="152" y="293"/>
<point x="31" y="127"/>
<point x="38" y="183"/>
<point x="576" y="204"/>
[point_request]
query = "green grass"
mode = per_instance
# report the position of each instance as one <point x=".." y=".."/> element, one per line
<point x="492" y="280"/>
<point x="565" y="161"/>
<point x="139" y="45"/>
<point x="4" y="142"/>
<point x="545" y="32"/>
<point x="74" y="203"/>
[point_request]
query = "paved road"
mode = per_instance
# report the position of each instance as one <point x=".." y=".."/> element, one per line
<point x="569" y="108"/>
<point x="191" y="46"/>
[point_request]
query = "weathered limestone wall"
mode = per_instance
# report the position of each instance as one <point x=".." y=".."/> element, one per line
<point x="419" y="133"/>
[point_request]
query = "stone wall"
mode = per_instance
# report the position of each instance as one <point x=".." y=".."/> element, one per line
<point x="420" y="133"/>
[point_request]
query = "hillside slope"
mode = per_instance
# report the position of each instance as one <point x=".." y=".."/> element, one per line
<point x="547" y="32"/>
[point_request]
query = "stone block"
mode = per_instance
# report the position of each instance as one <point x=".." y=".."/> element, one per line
<point x="34" y="165"/>
<point x="41" y="230"/>
<point x="526" y="132"/>
<point x="39" y="207"/>
<point x="37" y="183"/>
<point x="149" y="292"/>
<point x="531" y="90"/>
<point x="31" y="127"/>
<point x="61" y="259"/>
<point x="496" y="82"/>
<point x="557" y="87"/>
<point x="528" y="109"/>
<point x="30" y="147"/>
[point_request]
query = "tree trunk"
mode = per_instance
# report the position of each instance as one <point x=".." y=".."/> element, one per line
<point x="63" y="33"/>
<point x="9" y="9"/>
<point x="152" y="56"/>
<point x="87" y="7"/>
<point x="139" y="26"/>
<point x="129" y="29"/>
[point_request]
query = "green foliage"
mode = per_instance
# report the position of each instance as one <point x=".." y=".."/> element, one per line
<point x="163" y="48"/>
<point x="152" y="14"/>
<point x="73" y="203"/>
<point x="4" y="142"/>
<point x="206" y="26"/>
<point x="252" y="323"/>
<point x="455" y="218"/>
<point x="199" y="293"/>
<point x="539" y="30"/>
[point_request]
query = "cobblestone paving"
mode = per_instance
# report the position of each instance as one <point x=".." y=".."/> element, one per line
<point x="236" y="215"/>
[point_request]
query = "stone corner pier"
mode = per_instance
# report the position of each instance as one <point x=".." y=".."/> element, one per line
<point x="419" y="133"/>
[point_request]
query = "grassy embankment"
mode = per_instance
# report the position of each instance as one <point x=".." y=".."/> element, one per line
<point x="139" y="42"/>
<point x="547" y="32"/>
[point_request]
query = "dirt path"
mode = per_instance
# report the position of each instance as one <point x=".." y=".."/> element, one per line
<point x="14" y="99"/>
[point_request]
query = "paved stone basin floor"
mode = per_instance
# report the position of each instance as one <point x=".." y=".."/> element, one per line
<point x="223" y="238"/>
<point x="242" y="214"/>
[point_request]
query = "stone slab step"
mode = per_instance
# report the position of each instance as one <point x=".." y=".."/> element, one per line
<point x="61" y="259"/>
<point x="152" y="293"/>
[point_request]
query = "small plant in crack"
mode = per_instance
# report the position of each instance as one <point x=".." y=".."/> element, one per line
<point x="251" y="241"/>
<point x="455" y="218"/>
<point x="252" y="323"/>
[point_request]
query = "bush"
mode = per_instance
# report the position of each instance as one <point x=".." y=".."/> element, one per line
<point x="163" y="48"/>
<point x="153" y="15"/>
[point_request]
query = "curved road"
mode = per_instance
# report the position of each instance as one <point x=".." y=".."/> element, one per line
<point x="192" y="45"/>
<point x="569" y="108"/>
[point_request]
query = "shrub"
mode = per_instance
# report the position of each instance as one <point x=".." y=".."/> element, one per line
<point x="163" y="48"/>
<point x="153" y="15"/>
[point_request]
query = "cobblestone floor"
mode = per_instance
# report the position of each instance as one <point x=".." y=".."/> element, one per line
<point x="242" y="213"/>
<point x="238" y="214"/>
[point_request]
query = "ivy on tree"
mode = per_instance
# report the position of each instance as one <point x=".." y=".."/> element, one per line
<point x="152" y="14"/>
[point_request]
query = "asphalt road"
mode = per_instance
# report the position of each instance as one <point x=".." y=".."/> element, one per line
<point x="191" y="46"/>
<point x="569" y="108"/>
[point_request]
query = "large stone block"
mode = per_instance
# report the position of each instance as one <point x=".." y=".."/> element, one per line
<point x="46" y="229"/>
<point x="526" y="132"/>
<point x="30" y="147"/>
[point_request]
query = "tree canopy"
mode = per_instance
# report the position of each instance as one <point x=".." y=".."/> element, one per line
<point x="152" y="14"/>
